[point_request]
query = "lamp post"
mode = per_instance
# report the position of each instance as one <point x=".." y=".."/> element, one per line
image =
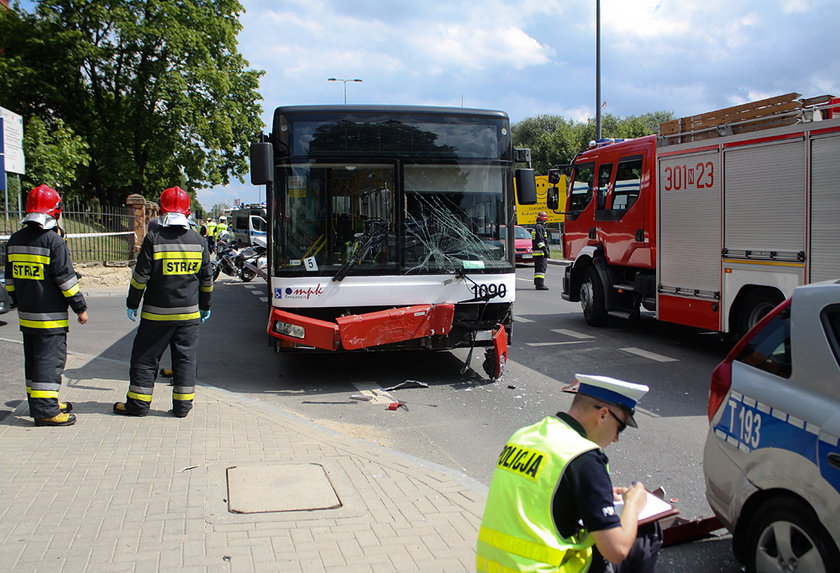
<point x="597" y="70"/>
<point x="345" y="84"/>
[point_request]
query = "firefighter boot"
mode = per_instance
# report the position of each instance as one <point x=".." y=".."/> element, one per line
<point x="539" y="284"/>
<point x="121" y="409"/>
<point x="65" y="407"/>
<point x="61" y="419"/>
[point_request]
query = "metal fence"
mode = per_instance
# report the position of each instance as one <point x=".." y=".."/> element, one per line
<point x="99" y="234"/>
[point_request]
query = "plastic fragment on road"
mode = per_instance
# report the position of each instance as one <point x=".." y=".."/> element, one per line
<point x="407" y="384"/>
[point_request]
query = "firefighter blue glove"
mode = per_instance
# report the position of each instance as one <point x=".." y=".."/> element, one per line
<point x="205" y="314"/>
<point x="132" y="314"/>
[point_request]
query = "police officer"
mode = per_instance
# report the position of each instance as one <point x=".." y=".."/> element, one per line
<point x="41" y="279"/>
<point x="221" y="227"/>
<point x="541" y="252"/>
<point x="174" y="278"/>
<point x="551" y="503"/>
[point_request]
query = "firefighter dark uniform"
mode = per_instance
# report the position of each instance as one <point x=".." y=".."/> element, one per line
<point x="541" y="252"/>
<point x="42" y="281"/>
<point x="174" y="279"/>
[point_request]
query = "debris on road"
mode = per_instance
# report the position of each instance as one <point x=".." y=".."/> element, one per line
<point x="360" y="397"/>
<point x="407" y="384"/>
<point x="397" y="405"/>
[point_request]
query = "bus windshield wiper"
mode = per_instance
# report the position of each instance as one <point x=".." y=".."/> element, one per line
<point x="375" y="229"/>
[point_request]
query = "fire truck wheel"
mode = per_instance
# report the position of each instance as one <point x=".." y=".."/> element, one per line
<point x="592" y="299"/>
<point x="753" y="308"/>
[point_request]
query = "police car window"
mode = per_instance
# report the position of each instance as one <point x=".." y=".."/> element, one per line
<point x="769" y="349"/>
<point x="831" y="322"/>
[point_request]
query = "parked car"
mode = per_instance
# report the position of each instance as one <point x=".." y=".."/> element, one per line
<point x="523" y="244"/>
<point x="772" y="460"/>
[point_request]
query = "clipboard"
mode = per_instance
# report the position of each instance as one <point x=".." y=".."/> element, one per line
<point x="655" y="509"/>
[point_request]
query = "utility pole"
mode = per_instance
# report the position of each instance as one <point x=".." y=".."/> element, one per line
<point x="597" y="70"/>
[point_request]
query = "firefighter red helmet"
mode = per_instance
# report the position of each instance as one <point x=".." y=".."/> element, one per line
<point x="44" y="200"/>
<point x="175" y="200"/>
<point x="542" y="216"/>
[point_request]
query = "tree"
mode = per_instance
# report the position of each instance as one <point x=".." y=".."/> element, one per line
<point x="53" y="154"/>
<point x="554" y="140"/>
<point x="155" y="88"/>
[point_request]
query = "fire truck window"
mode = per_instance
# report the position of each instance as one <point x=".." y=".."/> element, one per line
<point x="627" y="183"/>
<point x="581" y="190"/>
<point x="604" y="173"/>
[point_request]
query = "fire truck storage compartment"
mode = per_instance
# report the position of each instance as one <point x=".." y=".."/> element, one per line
<point x="689" y="236"/>
<point x="825" y="206"/>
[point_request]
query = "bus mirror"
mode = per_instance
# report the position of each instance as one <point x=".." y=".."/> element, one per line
<point x="526" y="186"/>
<point x="554" y="176"/>
<point x="262" y="163"/>
<point x="552" y="198"/>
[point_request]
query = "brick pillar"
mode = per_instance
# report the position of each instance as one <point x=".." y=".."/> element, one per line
<point x="143" y="211"/>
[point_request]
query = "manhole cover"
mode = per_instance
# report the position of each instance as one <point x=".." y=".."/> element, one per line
<point x="279" y="487"/>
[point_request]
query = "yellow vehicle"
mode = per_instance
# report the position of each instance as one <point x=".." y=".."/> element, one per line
<point x="526" y="215"/>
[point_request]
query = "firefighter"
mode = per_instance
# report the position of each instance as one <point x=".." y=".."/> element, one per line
<point x="174" y="278"/>
<point x="540" y="248"/>
<point x="551" y="505"/>
<point x="42" y="281"/>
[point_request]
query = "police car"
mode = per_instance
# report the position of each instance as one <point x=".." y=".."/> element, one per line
<point x="772" y="460"/>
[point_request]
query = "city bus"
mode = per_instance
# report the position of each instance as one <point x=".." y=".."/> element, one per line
<point x="390" y="228"/>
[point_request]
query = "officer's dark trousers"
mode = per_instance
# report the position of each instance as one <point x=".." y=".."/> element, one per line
<point x="44" y="356"/>
<point x="149" y="345"/>
<point x="540" y="266"/>
<point x="642" y="557"/>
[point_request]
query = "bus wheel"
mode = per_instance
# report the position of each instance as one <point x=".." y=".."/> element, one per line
<point x="753" y="308"/>
<point x="592" y="299"/>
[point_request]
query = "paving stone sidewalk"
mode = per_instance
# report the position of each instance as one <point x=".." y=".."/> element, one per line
<point x="121" y="494"/>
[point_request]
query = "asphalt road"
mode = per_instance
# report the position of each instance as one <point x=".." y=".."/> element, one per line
<point x="459" y="420"/>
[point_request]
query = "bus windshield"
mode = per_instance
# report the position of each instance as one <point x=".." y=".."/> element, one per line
<point x="387" y="197"/>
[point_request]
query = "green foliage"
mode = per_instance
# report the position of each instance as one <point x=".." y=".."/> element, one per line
<point x="554" y="140"/>
<point x="53" y="155"/>
<point x="155" y="88"/>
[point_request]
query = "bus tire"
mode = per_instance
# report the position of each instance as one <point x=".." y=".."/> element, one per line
<point x="592" y="299"/>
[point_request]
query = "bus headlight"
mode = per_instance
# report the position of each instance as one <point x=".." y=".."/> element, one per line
<point x="286" y="329"/>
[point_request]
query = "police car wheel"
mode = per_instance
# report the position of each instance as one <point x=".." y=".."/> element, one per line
<point x="786" y="535"/>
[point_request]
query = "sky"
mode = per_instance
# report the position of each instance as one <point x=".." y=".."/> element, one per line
<point x="535" y="57"/>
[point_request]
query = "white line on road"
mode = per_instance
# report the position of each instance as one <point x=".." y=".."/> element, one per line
<point x="646" y="354"/>
<point x="522" y="319"/>
<point x="572" y="333"/>
<point x="554" y="343"/>
<point x="375" y="391"/>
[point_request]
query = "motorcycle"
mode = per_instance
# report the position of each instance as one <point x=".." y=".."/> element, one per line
<point x="226" y="260"/>
<point x="252" y="262"/>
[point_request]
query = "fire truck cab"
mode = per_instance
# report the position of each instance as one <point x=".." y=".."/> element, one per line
<point x="711" y="223"/>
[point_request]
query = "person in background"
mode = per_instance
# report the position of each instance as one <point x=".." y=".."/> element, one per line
<point x="551" y="505"/>
<point x="541" y="252"/>
<point x="43" y="283"/>
<point x="174" y="278"/>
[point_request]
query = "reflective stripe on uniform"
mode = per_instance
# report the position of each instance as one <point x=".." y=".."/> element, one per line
<point x="176" y="313"/>
<point x="177" y="254"/>
<point x="164" y="248"/>
<point x="44" y="319"/>
<point x="42" y="389"/>
<point x="521" y="547"/>
<point x="183" y="396"/>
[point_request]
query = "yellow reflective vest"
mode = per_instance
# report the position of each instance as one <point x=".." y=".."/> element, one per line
<point x="517" y="531"/>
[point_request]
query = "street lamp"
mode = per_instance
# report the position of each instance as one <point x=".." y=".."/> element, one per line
<point x="345" y="84"/>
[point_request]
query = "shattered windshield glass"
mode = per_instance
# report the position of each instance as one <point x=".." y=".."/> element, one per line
<point x="345" y="219"/>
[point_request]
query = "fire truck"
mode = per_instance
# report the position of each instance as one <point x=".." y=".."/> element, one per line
<point x="712" y="222"/>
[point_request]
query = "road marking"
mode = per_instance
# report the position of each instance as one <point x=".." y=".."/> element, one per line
<point x="375" y="391"/>
<point x="646" y="354"/>
<point x="522" y="319"/>
<point x="554" y="343"/>
<point x="572" y="333"/>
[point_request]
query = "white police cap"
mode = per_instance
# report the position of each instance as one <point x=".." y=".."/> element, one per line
<point x="612" y="390"/>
